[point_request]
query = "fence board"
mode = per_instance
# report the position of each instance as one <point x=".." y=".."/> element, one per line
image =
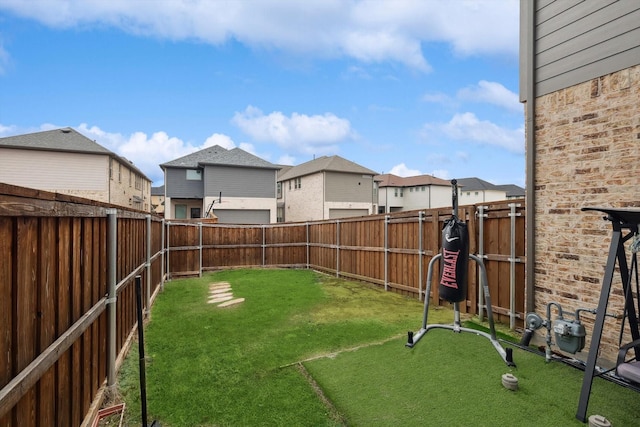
<point x="6" y="298"/>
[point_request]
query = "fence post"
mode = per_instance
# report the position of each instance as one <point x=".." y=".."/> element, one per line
<point x="308" y="244"/>
<point x="168" y="250"/>
<point x="337" y="248"/>
<point x="148" y="265"/>
<point x="420" y="253"/>
<point x="512" y="266"/>
<point x="162" y="272"/>
<point x="112" y="247"/>
<point x="481" y="217"/>
<point x="386" y="252"/>
<point x="264" y="243"/>
<point x="200" y="249"/>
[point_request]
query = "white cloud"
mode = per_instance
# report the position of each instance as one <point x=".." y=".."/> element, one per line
<point x="467" y="127"/>
<point x="403" y="170"/>
<point x="492" y="93"/>
<point x="286" y="160"/>
<point x="370" y="31"/>
<point x="219" y="139"/>
<point x="441" y="173"/>
<point x="317" y="134"/>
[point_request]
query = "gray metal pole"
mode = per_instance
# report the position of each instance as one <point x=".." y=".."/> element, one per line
<point x="481" y="217"/>
<point x="264" y="247"/>
<point x="420" y="253"/>
<point x="112" y="242"/>
<point x="200" y="249"/>
<point x="162" y="260"/>
<point x="386" y="252"/>
<point x="512" y="267"/>
<point x="148" y="265"/>
<point x="168" y="250"/>
<point x="337" y="248"/>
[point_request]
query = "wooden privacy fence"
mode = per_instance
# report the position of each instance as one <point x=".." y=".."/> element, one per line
<point x="67" y="301"/>
<point x="391" y="250"/>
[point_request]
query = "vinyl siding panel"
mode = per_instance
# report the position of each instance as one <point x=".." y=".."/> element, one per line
<point x="346" y="187"/>
<point x="54" y="171"/>
<point x="177" y="186"/>
<point x="240" y="182"/>
<point x="580" y="40"/>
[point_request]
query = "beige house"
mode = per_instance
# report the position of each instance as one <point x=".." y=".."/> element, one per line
<point x="65" y="161"/>
<point x="157" y="200"/>
<point x="325" y="188"/>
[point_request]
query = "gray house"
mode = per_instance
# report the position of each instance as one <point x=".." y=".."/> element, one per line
<point x="235" y="186"/>
<point x="326" y="188"/>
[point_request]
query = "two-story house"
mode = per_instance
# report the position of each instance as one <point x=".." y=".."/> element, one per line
<point x="65" y="161"/>
<point x="235" y="186"/>
<point x="414" y="192"/>
<point x="157" y="200"/>
<point x="475" y="190"/>
<point x="325" y="188"/>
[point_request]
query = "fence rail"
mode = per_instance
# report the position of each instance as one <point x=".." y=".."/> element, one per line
<point x="67" y="297"/>
<point x="54" y="301"/>
<point x="391" y="250"/>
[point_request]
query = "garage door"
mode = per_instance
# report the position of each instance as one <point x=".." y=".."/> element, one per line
<point x="242" y="216"/>
<point x="346" y="213"/>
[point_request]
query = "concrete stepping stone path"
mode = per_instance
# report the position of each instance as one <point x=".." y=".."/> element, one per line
<point x="220" y="293"/>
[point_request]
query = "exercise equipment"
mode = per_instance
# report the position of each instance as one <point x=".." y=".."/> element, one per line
<point x="625" y="227"/>
<point x="453" y="282"/>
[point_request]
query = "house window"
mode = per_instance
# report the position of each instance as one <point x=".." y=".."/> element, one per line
<point x="195" y="212"/>
<point x="138" y="182"/>
<point x="298" y="183"/>
<point x="280" y="214"/>
<point x="395" y="192"/>
<point x="111" y="169"/>
<point x="119" y="172"/>
<point x="423" y="188"/>
<point x="402" y="192"/>
<point x="289" y="184"/>
<point x="279" y="190"/>
<point x="129" y="177"/>
<point x="194" y="175"/>
<point x="181" y="212"/>
<point x="411" y="190"/>
<point x="476" y="193"/>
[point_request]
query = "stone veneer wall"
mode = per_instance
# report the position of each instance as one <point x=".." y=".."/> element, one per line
<point x="587" y="154"/>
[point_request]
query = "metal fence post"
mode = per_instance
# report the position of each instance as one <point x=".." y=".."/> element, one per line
<point x="420" y="253"/>
<point x="386" y="252"/>
<point x="264" y="245"/>
<point x="481" y="217"/>
<point x="112" y="243"/>
<point x="162" y="272"/>
<point x="148" y="265"/>
<point x="308" y="244"/>
<point x="200" y="249"/>
<point x="337" y="248"/>
<point x="168" y="250"/>
<point x="512" y="266"/>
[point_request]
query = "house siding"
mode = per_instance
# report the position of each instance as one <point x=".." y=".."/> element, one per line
<point x="348" y="187"/>
<point x="177" y="185"/>
<point x="239" y="182"/>
<point x="70" y="173"/>
<point x="577" y="41"/>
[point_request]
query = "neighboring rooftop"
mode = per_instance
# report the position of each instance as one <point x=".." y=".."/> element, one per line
<point x="325" y="163"/>
<point x="390" y="180"/>
<point x="512" y="190"/>
<point x="217" y="155"/>
<point x="157" y="191"/>
<point x="62" y="140"/>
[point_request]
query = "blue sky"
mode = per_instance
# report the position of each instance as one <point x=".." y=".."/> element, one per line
<point x="406" y="87"/>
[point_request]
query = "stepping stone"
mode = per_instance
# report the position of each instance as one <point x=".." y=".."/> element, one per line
<point x="218" y="284"/>
<point x="215" y="300"/>
<point x="223" y="295"/>
<point x="231" y="302"/>
<point x="220" y="290"/>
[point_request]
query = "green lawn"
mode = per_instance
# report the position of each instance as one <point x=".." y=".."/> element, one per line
<point x="239" y="366"/>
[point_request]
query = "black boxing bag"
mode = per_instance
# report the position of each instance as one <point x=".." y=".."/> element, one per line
<point x="455" y="261"/>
